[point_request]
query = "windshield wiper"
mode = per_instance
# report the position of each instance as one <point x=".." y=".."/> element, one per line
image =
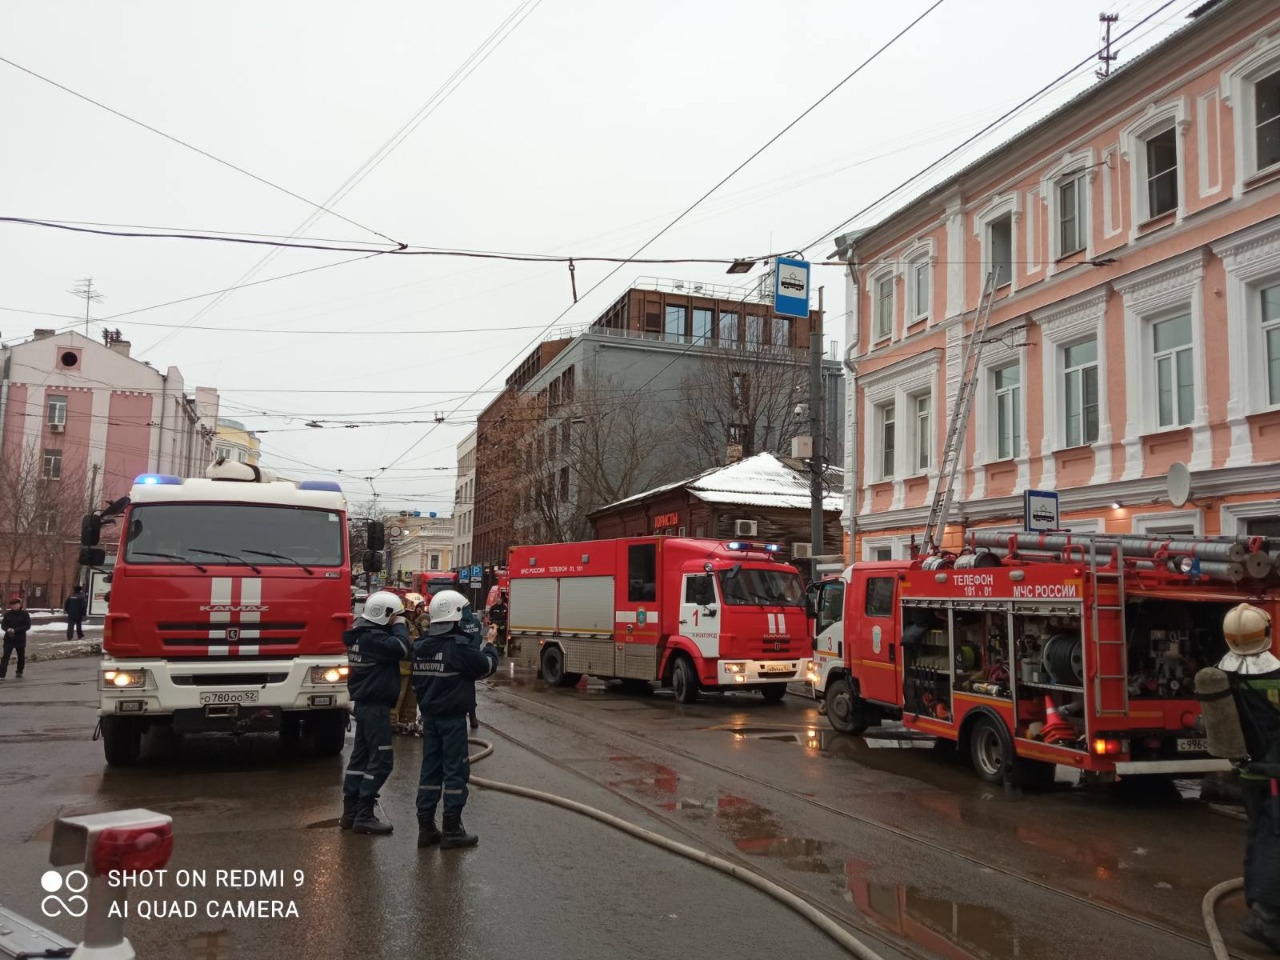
<point x="227" y="556"/>
<point x="281" y="556"/>
<point x="169" y="556"/>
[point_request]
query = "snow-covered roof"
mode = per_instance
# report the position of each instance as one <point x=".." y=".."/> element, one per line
<point x="764" y="480"/>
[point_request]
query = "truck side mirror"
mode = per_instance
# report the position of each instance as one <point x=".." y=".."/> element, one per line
<point x="372" y="561"/>
<point x="92" y="556"/>
<point x="376" y="535"/>
<point x="90" y="530"/>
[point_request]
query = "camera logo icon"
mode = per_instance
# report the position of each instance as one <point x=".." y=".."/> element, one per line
<point x="75" y="883"/>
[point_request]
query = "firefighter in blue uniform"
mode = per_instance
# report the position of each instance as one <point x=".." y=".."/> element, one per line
<point x="447" y="662"/>
<point x="376" y="643"/>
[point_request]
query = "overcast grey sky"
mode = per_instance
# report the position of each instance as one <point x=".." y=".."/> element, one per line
<point x="583" y="133"/>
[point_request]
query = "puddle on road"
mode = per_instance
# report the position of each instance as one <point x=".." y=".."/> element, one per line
<point x="818" y="738"/>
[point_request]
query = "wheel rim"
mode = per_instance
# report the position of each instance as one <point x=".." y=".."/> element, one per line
<point x="841" y="707"/>
<point x="679" y="683"/>
<point x="990" y="752"/>
<point x="553" y="668"/>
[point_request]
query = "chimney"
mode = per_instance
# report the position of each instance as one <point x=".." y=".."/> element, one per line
<point x="120" y="346"/>
<point x="43" y="334"/>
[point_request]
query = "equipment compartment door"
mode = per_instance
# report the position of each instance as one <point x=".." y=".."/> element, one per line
<point x="874" y="657"/>
<point x="700" y="613"/>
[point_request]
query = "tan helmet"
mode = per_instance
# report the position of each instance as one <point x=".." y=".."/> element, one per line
<point x="414" y="600"/>
<point x="1247" y="630"/>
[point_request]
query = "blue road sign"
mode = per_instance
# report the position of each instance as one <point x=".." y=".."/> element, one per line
<point x="791" y="288"/>
<point x="1040" y="510"/>
<point x="477" y="572"/>
<point x="464" y="575"/>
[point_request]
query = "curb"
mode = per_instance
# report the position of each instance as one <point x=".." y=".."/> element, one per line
<point x="85" y="650"/>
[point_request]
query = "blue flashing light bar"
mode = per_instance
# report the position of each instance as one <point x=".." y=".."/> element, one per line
<point x="771" y="548"/>
<point x="331" y="485"/>
<point x="748" y="545"/>
<point x="152" y="479"/>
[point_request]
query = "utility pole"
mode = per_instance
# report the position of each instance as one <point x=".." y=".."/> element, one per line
<point x="93" y="491"/>
<point x="85" y="291"/>
<point x="1107" y="55"/>
<point x="816" y="461"/>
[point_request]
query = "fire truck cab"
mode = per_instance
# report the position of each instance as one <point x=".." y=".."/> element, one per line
<point x="691" y="614"/>
<point x="1028" y="659"/>
<point x="227" y="605"/>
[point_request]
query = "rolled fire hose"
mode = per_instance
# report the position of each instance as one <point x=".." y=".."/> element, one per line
<point x="1210" y="923"/>
<point x="788" y="899"/>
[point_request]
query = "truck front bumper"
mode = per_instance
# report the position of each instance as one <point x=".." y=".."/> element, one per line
<point x="167" y="686"/>
<point x="735" y="673"/>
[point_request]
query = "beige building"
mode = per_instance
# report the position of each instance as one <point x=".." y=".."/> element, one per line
<point x="417" y="544"/>
<point x="464" y="501"/>
<point x="236" y="442"/>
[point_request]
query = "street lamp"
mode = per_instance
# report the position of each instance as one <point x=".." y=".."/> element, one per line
<point x="741" y="266"/>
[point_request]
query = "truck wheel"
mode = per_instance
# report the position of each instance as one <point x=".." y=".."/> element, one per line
<point x="328" y="729"/>
<point x="774" y="692"/>
<point x="553" y="670"/>
<point x="121" y="741"/>
<point x="684" y="680"/>
<point x="989" y="750"/>
<point x="844" y="707"/>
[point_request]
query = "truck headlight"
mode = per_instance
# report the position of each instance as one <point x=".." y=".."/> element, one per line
<point x="811" y="671"/>
<point x="735" y="667"/>
<point x="122" y="680"/>
<point x="329" y="674"/>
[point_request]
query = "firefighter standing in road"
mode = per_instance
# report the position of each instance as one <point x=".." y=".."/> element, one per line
<point x="15" y="624"/>
<point x="406" y="716"/>
<point x="376" y="644"/>
<point x="1255" y="685"/>
<point x="473" y="627"/>
<point x="498" y="618"/>
<point x="447" y="662"/>
<point x="75" y="608"/>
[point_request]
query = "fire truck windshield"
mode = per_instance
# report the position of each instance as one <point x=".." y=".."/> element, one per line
<point x="745" y="586"/>
<point x="222" y="533"/>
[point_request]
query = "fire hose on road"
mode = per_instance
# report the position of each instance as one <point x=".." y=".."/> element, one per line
<point x="1210" y="923"/>
<point x="816" y="917"/>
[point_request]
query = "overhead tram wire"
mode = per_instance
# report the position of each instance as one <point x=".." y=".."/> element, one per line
<point x="689" y="209"/>
<point x="442" y="93"/>
<point x="189" y="146"/>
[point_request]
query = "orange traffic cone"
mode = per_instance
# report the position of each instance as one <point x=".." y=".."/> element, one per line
<point x="1056" y="729"/>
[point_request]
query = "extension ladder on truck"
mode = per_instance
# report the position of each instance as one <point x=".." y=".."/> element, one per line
<point x="1110" y="652"/>
<point x="951" y="466"/>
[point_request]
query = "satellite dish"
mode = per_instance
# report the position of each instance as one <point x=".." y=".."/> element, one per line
<point x="1178" y="484"/>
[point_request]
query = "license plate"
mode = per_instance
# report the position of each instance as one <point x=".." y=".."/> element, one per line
<point x="1193" y="745"/>
<point x="229" y="696"/>
<point x="777" y="668"/>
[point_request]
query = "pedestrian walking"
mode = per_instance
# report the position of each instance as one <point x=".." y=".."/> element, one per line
<point x="76" y="607"/>
<point x="1254" y="675"/>
<point x="15" y="623"/>
<point x="406" y="714"/>
<point x="447" y="662"/>
<point x="376" y="643"/>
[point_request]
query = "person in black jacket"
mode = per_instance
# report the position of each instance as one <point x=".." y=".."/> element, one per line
<point x="376" y="644"/>
<point x="15" y="623"/>
<point x="447" y="662"/>
<point x="75" y="608"/>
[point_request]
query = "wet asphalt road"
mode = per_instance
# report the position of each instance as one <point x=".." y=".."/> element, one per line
<point x="899" y="841"/>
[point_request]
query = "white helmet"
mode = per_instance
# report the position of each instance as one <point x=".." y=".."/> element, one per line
<point x="446" y="607"/>
<point x="382" y="606"/>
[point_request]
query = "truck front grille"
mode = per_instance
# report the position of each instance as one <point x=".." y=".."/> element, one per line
<point x="230" y="679"/>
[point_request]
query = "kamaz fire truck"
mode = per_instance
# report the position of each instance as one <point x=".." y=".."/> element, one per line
<point x="430" y="583"/>
<point x="1031" y="650"/>
<point x="227" y="604"/>
<point x="691" y="614"/>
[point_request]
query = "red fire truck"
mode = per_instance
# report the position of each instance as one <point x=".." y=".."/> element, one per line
<point x="1038" y="650"/>
<point x="226" y="609"/>
<point x="431" y="583"/>
<point x="691" y="614"/>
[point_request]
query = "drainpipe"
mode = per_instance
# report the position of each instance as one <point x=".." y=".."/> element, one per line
<point x="851" y="445"/>
<point x="4" y="394"/>
<point x="164" y="399"/>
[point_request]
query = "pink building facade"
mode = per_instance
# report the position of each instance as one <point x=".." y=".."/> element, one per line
<point x="79" y="420"/>
<point x="1135" y="239"/>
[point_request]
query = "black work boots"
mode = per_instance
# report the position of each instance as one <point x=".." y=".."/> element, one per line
<point x="367" y="821"/>
<point x="1263" y="925"/>
<point x="348" y="818"/>
<point x="428" y="832"/>
<point x="455" y="834"/>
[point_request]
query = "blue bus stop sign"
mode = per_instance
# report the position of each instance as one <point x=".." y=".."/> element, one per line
<point x="791" y="288"/>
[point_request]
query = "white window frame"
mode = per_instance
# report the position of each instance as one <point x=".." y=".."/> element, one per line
<point x="890" y="384"/>
<point x="1168" y="361"/>
<point x="1064" y="324"/>
<point x="922" y="431"/>
<point x="1233" y="515"/>
<point x="1160" y="523"/>
<point x="900" y="547"/>
<point x="1018" y="429"/>
<point x="1265" y="327"/>
<point x="52" y="403"/>
<point x="1237" y="91"/>
<point x="1133" y="139"/>
<point x="1163" y="290"/>
<point x="886" y="468"/>
<point x="998" y="355"/>
<point x="1082" y="167"/>
<point x="1000" y="206"/>
<point x="888" y="275"/>
<point x="1065" y="372"/>
<point x="921" y="256"/>
<point x="52" y="458"/>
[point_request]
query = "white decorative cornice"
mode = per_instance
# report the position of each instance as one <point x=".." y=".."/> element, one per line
<point x="1066" y="318"/>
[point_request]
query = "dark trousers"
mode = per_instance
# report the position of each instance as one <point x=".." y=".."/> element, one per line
<point x="76" y="626"/>
<point x="372" y="757"/>
<point x="445" y="768"/>
<point x="10" y="645"/>
<point x="1262" y="850"/>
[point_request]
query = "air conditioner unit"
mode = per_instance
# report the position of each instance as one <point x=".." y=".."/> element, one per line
<point x="57" y="427"/>
<point x="744" y="528"/>
<point x="802" y="448"/>
<point x="697" y="288"/>
<point x="801" y="551"/>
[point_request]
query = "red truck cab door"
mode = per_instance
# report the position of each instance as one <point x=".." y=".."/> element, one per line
<point x="871" y="631"/>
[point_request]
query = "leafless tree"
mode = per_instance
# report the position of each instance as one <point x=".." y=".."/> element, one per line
<point x="744" y="395"/>
<point x="42" y="500"/>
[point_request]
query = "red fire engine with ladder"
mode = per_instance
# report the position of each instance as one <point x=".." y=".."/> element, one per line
<point x="229" y="596"/>
<point x="1033" y="650"/>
